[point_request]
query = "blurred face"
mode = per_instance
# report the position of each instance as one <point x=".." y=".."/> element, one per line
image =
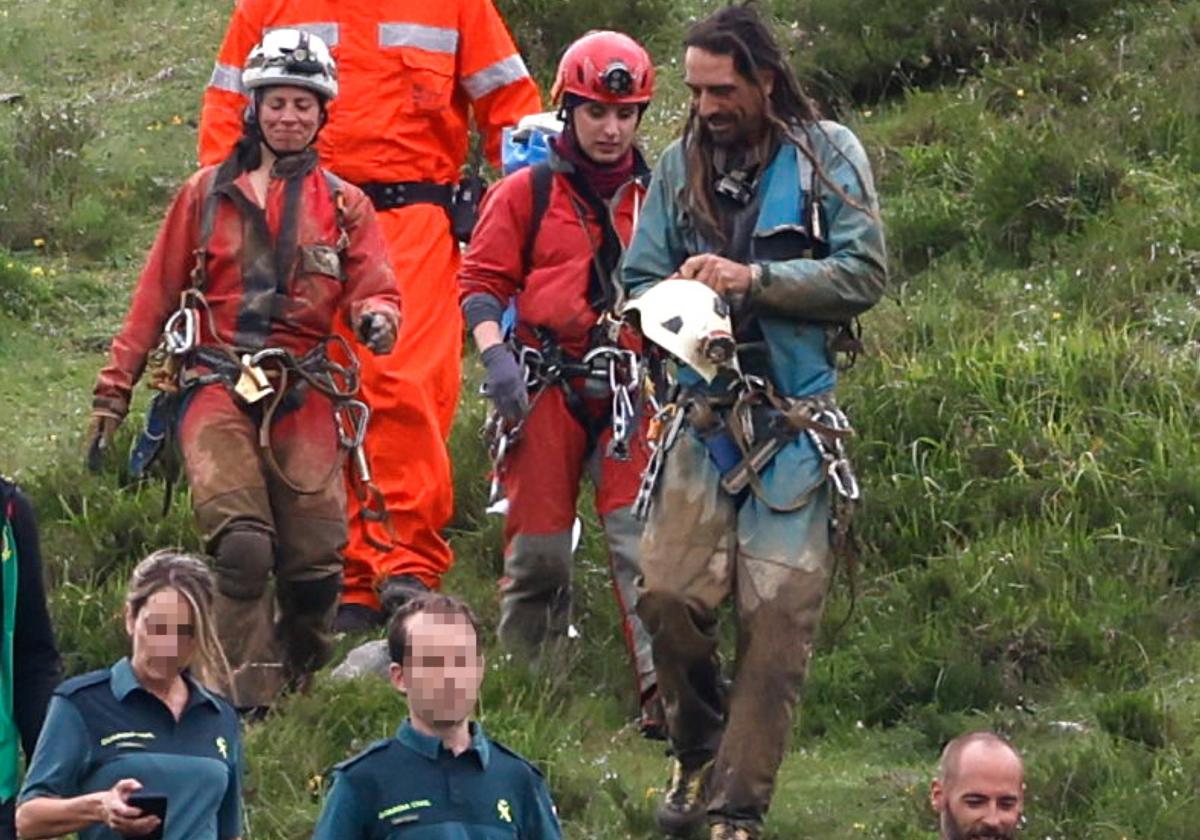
<point x="605" y="130"/>
<point x="732" y="111"/>
<point x="984" y="797"/>
<point x="289" y="118"/>
<point x="163" y="634"/>
<point x="443" y="671"/>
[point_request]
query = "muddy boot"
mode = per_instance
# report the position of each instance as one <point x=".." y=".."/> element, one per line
<point x="398" y="590"/>
<point x="683" y="807"/>
<point x="304" y="625"/>
<point x="357" y="618"/>
<point x="652" y="723"/>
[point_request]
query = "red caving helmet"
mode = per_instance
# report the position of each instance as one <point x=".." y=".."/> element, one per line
<point x="605" y="66"/>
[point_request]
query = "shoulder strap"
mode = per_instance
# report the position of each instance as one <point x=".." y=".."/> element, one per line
<point x="338" y="191"/>
<point x="541" y="179"/>
<point x="208" y="215"/>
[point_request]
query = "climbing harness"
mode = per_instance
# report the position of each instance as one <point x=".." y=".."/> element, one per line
<point x="743" y="429"/>
<point x="615" y="370"/>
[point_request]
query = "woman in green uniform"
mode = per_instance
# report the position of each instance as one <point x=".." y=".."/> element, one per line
<point x="142" y="745"/>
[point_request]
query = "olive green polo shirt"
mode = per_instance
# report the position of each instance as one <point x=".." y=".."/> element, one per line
<point x="412" y="787"/>
<point x="103" y="727"/>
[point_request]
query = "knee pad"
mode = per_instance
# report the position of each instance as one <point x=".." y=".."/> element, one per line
<point x="243" y="560"/>
<point x="538" y="563"/>
<point x="310" y="596"/>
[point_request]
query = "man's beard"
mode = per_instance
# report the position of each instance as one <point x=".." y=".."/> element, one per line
<point x="731" y="136"/>
<point x="951" y="831"/>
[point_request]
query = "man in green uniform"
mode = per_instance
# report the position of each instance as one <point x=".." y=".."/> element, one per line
<point x="440" y="776"/>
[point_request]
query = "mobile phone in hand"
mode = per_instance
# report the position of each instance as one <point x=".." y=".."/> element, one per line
<point x="150" y="803"/>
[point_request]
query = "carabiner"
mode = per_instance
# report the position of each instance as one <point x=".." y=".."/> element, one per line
<point x="180" y="331"/>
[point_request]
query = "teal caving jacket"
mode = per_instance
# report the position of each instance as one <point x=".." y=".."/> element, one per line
<point x="799" y="298"/>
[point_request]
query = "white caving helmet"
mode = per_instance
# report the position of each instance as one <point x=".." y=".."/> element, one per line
<point x="690" y="321"/>
<point x="291" y="57"/>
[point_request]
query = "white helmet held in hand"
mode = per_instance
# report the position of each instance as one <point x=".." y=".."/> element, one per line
<point x="690" y="321"/>
<point x="291" y="57"/>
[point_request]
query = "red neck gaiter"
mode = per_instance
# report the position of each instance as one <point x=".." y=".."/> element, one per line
<point x="604" y="179"/>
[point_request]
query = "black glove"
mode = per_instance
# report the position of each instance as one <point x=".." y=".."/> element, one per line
<point x="377" y="332"/>
<point x="505" y="384"/>
<point x="98" y="439"/>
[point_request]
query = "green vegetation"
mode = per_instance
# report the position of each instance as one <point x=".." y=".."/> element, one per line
<point x="1025" y="415"/>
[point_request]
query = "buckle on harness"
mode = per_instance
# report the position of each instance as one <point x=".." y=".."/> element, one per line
<point x="252" y="384"/>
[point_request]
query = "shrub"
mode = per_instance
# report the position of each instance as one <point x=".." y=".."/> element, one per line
<point x="860" y="51"/>
<point x="1135" y="716"/>
<point x="544" y="28"/>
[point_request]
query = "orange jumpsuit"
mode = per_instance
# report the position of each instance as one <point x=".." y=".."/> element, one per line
<point x="409" y="71"/>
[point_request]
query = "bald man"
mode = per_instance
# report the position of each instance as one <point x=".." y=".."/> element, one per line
<point x="980" y="788"/>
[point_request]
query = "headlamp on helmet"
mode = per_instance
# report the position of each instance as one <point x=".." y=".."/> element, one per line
<point x="617" y="79"/>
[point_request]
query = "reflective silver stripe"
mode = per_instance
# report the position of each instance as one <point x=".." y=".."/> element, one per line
<point x="495" y="76"/>
<point x="227" y="77"/>
<point x="433" y="38"/>
<point x="327" y="32"/>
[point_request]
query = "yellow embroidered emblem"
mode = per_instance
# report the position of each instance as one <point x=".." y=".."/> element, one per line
<point x="504" y="809"/>
<point x="222" y="747"/>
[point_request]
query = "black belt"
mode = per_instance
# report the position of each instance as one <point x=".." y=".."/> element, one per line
<point x="386" y="196"/>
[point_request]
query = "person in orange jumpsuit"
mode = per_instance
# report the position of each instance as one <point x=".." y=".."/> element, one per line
<point x="562" y="408"/>
<point x="411" y="73"/>
<point x="256" y="261"/>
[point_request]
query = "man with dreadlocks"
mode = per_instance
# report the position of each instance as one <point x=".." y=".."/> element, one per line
<point x="775" y="210"/>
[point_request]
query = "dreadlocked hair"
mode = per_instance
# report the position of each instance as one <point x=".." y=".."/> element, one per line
<point x="739" y="31"/>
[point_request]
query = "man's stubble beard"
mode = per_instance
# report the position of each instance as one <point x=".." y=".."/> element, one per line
<point x="950" y="831"/>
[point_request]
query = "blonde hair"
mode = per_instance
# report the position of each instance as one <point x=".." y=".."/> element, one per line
<point x="170" y="568"/>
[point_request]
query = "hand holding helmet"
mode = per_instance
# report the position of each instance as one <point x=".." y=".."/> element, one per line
<point x="724" y="276"/>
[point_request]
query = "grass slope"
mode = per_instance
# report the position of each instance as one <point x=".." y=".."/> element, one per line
<point x="1025" y="414"/>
